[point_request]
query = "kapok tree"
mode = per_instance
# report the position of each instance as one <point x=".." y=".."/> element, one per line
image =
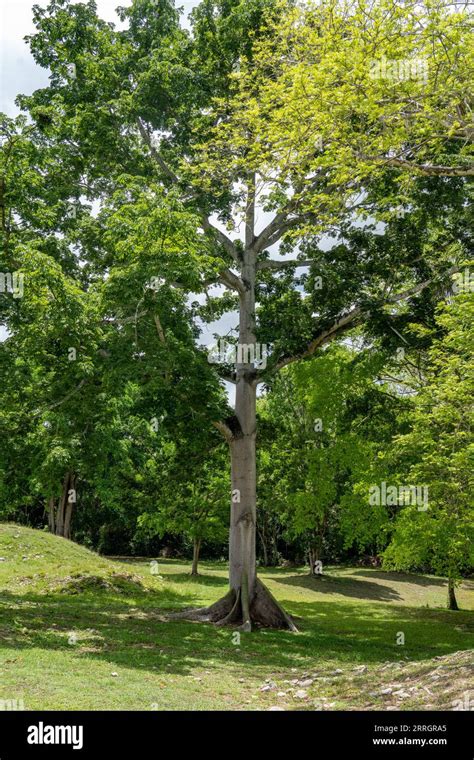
<point x="205" y="116"/>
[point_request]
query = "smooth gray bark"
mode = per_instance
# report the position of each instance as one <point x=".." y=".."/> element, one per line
<point x="242" y="544"/>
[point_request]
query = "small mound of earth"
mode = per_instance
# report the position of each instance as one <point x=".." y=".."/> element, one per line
<point x="116" y="582"/>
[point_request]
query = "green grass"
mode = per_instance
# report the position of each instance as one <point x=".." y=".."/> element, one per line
<point x="78" y="631"/>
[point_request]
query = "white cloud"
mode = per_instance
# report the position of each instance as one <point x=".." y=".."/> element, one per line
<point x="18" y="71"/>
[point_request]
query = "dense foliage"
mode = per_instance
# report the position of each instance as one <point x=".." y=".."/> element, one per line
<point x="130" y="194"/>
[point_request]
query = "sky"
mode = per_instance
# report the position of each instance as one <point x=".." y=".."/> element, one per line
<point x="18" y="71"/>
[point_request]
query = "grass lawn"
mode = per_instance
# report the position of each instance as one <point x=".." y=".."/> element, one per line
<point x="78" y="631"/>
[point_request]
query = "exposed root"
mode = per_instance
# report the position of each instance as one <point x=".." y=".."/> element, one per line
<point x="234" y="608"/>
<point x="266" y="611"/>
<point x="212" y="614"/>
<point x="244" y="593"/>
<point x="233" y="615"/>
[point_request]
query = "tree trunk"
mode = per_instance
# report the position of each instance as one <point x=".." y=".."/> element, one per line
<point x="263" y="541"/>
<point x="248" y="600"/>
<point x="242" y="559"/>
<point x="52" y="515"/>
<point x="452" y="601"/>
<point x="69" y="507"/>
<point x="196" y="550"/>
<point x="60" y="517"/>
<point x="274" y="548"/>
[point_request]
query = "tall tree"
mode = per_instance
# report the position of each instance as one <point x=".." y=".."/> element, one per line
<point x="438" y="452"/>
<point x="184" y="115"/>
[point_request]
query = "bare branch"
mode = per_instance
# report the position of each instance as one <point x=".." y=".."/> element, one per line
<point x="224" y="429"/>
<point x="63" y="400"/>
<point x="231" y="280"/>
<point x="225" y="241"/>
<point x="345" y="322"/>
<point x="159" y="329"/>
<point x="222" y="238"/>
<point x="430" y="170"/>
<point x="289" y="217"/>
<point x="350" y="320"/>
<point x="271" y="264"/>
<point x="156" y="155"/>
<point x="275" y="229"/>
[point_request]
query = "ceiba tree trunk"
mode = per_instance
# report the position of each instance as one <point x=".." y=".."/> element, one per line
<point x="248" y="600"/>
<point x="243" y="518"/>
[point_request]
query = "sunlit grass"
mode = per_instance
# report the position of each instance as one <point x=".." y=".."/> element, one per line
<point x="78" y="631"/>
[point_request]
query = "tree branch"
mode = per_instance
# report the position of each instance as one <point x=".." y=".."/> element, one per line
<point x="271" y="264"/>
<point x="231" y="280"/>
<point x="63" y="400"/>
<point x="224" y="429"/>
<point x="275" y="229"/>
<point x="349" y="320"/>
<point x="430" y="170"/>
<point x="156" y="154"/>
<point x="222" y="238"/>
<point x="225" y="241"/>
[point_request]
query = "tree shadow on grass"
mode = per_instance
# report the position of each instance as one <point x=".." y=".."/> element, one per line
<point x="171" y="562"/>
<point x="346" y="586"/>
<point x="414" y="578"/>
<point x="131" y="632"/>
<point x="417" y="580"/>
<point x="200" y="579"/>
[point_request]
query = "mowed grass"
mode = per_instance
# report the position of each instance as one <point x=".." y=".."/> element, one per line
<point x="79" y="631"/>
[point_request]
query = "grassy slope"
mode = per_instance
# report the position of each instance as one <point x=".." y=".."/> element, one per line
<point x="78" y="631"/>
